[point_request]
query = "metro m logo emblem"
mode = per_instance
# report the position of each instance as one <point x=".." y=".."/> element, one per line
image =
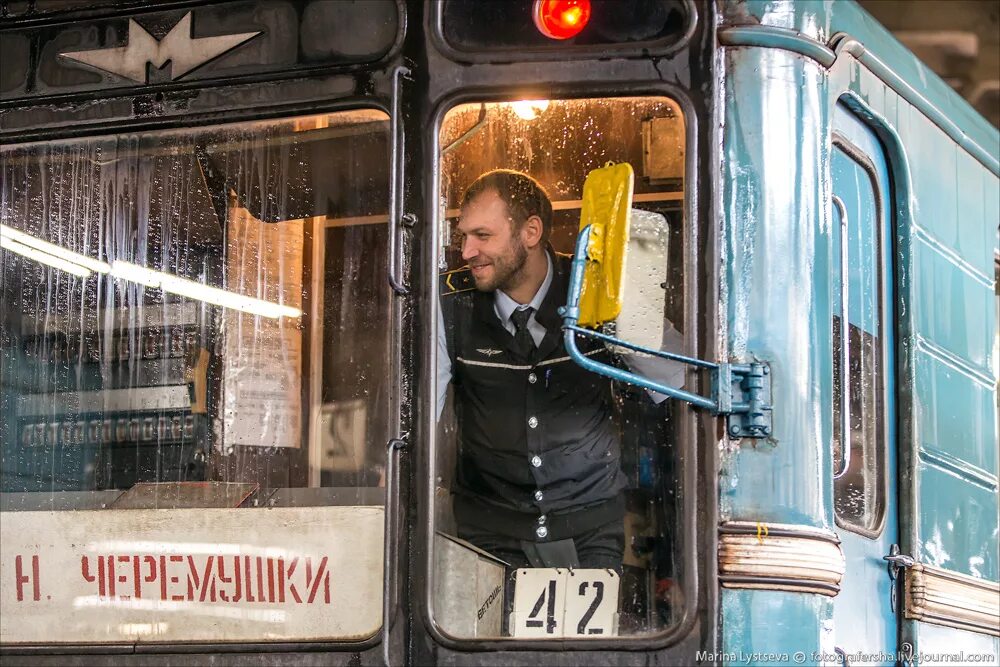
<point x="184" y="52"/>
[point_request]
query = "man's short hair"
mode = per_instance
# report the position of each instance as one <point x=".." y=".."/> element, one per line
<point x="523" y="195"/>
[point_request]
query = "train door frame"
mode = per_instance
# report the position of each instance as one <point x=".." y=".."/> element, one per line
<point x="889" y="525"/>
<point x="485" y="83"/>
<point x="899" y="205"/>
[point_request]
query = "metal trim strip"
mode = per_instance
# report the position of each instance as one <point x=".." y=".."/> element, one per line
<point x="784" y="557"/>
<point x="950" y="463"/>
<point x="942" y="597"/>
<point x="828" y="55"/>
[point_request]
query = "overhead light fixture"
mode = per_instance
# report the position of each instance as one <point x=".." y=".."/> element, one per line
<point x="194" y="290"/>
<point x="54" y="250"/>
<point x="529" y="109"/>
<point x="8" y="243"/>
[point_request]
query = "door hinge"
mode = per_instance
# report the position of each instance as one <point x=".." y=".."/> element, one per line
<point x="742" y="392"/>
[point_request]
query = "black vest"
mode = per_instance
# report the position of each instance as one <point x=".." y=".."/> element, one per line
<point x="540" y="457"/>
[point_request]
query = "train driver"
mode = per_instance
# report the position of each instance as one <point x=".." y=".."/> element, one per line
<point x="539" y="481"/>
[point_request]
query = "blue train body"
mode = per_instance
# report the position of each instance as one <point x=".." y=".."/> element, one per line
<point x="833" y="220"/>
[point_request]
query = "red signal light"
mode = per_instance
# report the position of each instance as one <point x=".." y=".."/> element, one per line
<point x="561" y="19"/>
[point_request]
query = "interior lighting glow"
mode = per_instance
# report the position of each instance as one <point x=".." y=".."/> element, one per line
<point x="529" y="109"/>
<point x="54" y="250"/>
<point x="8" y="243"/>
<point x="561" y="19"/>
<point x="194" y="290"/>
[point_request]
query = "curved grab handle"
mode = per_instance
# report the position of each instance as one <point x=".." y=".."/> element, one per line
<point x="749" y="417"/>
<point x="396" y="182"/>
<point x="390" y="548"/>
<point x="571" y="313"/>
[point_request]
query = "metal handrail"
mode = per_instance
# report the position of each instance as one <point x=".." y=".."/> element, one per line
<point x="390" y="547"/>
<point x="571" y="314"/>
<point x="396" y="182"/>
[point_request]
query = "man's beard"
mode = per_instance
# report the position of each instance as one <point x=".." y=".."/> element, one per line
<point x="508" y="269"/>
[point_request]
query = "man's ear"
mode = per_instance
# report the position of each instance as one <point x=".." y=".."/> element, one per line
<point x="531" y="231"/>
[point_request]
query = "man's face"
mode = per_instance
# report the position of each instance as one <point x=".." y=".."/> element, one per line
<point x="490" y="244"/>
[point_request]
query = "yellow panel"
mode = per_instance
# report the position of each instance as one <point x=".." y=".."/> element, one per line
<point x="607" y="201"/>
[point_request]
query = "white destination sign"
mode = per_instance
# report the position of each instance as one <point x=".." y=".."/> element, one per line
<point x="216" y="575"/>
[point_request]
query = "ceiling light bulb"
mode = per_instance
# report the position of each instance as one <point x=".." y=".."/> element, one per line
<point x="529" y="109"/>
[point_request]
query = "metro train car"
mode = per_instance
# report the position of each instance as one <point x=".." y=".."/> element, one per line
<point x="226" y="232"/>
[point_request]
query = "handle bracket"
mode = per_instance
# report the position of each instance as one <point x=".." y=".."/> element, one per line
<point x="741" y="392"/>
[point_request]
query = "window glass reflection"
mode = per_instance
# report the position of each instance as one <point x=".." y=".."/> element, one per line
<point x="226" y="254"/>
<point x="200" y="319"/>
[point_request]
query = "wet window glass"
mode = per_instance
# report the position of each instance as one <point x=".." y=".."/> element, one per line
<point x="194" y="345"/>
<point x="558" y="491"/>
<point x="859" y="438"/>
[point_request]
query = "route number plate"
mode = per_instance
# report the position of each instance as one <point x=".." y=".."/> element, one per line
<point x="556" y="602"/>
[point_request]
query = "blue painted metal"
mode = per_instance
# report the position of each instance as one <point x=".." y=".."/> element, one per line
<point x="701" y="363"/>
<point x="864" y="617"/>
<point x="776" y="233"/>
<point x="749" y="418"/>
<point x="791" y="40"/>
<point x="776" y="281"/>
<point x="773" y="627"/>
<point x="945" y="242"/>
<point x="847" y="44"/>
<point x="825" y="23"/>
<point x="939" y="640"/>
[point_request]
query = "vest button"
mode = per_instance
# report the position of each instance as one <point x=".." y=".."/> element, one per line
<point x="532" y="378"/>
<point x="539" y="495"/>
<point x="536" y="461"/>
<point x="532" y="422"/>
<point x="542" y="518"/>
<point x="542" y="532"/>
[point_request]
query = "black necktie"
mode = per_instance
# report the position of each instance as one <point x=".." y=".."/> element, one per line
<point x="523" y="342"/>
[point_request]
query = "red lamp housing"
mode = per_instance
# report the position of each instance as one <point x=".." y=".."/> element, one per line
<point x="561" y="19"/>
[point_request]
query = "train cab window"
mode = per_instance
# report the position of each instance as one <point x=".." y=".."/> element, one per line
<point x="859" y="429"/>
<point x="193" y="361"/>
<point x="558" y="492"/>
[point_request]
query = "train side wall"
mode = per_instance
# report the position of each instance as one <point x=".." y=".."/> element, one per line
<point x="774" y="183"/>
